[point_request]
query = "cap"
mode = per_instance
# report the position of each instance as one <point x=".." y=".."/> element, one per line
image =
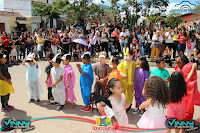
<point x="64" y="56"/>
<point x="86" y="53"/>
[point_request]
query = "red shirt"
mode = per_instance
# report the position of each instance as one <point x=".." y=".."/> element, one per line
<point x="117" y="38"/>
<point x="6" y="43"/>
<point x="54" y="43"/>
<point x="181" y="37"/>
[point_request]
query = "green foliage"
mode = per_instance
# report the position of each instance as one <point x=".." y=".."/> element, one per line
<point x="155" y="18"/>
<point x="174" y="19"/>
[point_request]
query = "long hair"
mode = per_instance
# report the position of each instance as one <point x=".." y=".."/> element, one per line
<point x="144" y="63"/>
<point x="111" y="84"/>
<point x="96" y="98"/>
<point x="157" y="90"/>
<point x="184" y="58"/>
<point x="177" y="87"/>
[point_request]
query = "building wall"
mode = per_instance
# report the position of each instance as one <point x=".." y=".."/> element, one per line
<point x="6" y="21"/>
<point x="36" y="20"/>
<point x="21" y="6"/>
<point x="13" y="23"/>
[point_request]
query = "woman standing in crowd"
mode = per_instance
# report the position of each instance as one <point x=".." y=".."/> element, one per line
<point x="182" y="37"/>
<point x="65" y="44"/>
<point x="23" y="43"/>
<point x="141" y="39"/>
<point x="54" y="43"/>
<point x="29" y="43"/>
<point x="175" y="46"/>
<point x="149" y="42"/>
<point x="40" y="45"/>
<point x="191" y="43"/>
<point x="157" y="41"/>
<point x="104" y="41"/>
<point x="115" y="34"/>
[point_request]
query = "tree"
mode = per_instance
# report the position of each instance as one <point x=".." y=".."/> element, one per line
<point x="197" y="8"/>
<point x="155" y="18"/>
<point x="158" y="5"/>
<point x="174" y="19"/>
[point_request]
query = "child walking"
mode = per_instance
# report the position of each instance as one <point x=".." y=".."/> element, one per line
<point x="86" y="80"/>
<point x="33" y="72"/>
<point x="176" y="107"/>
<point x="118" y="101"/>
<point x="48" y="79"/>
<point x="69" y="81"/>
<point x="5" y="84"/>
<point x="141" y="77"/>
<point x="57" y="79"/>
<point x="102" y="71"/>
<point x="157" y="98"/>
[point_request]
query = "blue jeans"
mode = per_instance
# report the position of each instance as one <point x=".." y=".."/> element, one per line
<point x="142" y="50"/>
<point x="41" y="52"/>
<point x="29" y="48"/>
<point x="181" y="47"/>
<point x="92" y="50"/>
<point x="54" y="49"/>
<point x="123" y="45"/>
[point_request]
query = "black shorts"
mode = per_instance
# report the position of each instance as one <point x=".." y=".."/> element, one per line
<point x="97" y="48"/>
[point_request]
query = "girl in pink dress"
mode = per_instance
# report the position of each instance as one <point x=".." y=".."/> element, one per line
<point x="176" y="107"/>
<point x="118" y="101"/>
<point x="157" y="97"/>
<point x="69" y="80"/>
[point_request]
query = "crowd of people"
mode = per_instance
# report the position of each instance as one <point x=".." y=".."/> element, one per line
<point x="118" y="82"/>
<point x="112" y="38"/>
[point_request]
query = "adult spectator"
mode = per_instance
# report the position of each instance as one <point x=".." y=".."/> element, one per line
<point x="40" y="42"/>
<point x="169" y="38"/>
<point x="175" y="46"/>
<point x="124" y="36"/>
<point x="115" y="34"/>
<point x="65" y="44"/>
<point x="182" y="37"/>
<point x="157" y="41"/>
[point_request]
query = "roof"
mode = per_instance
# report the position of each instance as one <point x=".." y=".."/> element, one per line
<point x="4" y="13"/>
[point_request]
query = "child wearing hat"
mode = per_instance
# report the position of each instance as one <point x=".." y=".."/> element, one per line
<point x="86" y="80"/>
<point x="5" y="84"/>
<point x="33" y="73"/>
<point x="102" y="71"/>
<point x="69" y="81"/>
<point x="57" y="79"/>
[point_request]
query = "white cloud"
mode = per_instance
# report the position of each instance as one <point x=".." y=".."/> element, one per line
<point x="170" y="7"/>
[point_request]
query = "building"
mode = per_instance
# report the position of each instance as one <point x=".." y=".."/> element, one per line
<point x="12" y="21"/>
<point x="190" y="19"/>
<point x="25" y="7"/>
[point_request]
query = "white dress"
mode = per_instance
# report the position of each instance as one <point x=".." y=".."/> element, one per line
<point x="33" y="81"/>
<point x="153" y="118"/>
<point x="13" y="51"/>
<point x="59" y="91"/>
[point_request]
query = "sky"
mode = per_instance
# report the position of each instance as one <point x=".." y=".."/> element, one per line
<point x="169" y="8"/>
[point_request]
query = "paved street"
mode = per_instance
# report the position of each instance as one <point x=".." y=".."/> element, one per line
<point x="25" y="110"/>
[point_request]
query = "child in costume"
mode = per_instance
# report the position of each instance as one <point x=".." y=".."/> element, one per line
<point x="127" y="69"/>
<point x="102" y="71"/>
<point x="176" y="107"/>
<point x="140" y="79"/>
<point x="33" y="72"/>
<point x="115" y="72"/>
<point x="48" y="79"/>
<point x="5" y="84"/>
<point x="157" y="98"/>
<point x="189" y="72"/>
<point x="160" y="71"/>
<point x="69" y="81"/>
<point x="118" y="101"/>
<point x="57" y="79"/>
<point x="104" y="106"/>
<point x="86" y="80"/>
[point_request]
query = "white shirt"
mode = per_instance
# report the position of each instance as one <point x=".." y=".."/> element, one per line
<point x="124" y="34"/>
<point x="88" y="26"/>
<point x="55" y="74"/>
<point x="154" y="38"/>
<point x="170" y="38"/>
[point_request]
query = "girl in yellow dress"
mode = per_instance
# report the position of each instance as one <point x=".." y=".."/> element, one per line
<point x="5" y="84"/>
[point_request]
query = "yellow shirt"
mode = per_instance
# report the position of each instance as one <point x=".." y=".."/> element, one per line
<point x="40" y="41"/>
<point x="127" y="68"/>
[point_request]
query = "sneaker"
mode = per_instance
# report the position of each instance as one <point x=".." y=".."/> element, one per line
<point x="128" y="108"/>
<point x="84" y="108"/>
<point x="53" y="103"/>
<point x="59" y="108"/>
<point x="31" y="101"/>
<point x="3" y="109"/>
<point x="88" y="109"/>
<point x="142" y="112"/>
<point x="136" y="110"/>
